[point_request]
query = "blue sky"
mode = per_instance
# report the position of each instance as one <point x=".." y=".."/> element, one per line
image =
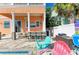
<point x="49" y="5"/>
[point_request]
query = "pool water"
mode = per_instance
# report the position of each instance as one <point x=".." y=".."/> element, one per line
<point x="16" y="52"/>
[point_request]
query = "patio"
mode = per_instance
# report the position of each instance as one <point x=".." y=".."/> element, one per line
<point x="17" y="45"/>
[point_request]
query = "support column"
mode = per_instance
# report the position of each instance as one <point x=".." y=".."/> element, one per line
<point x="28" y="22"/>
<point x="13" y="27"/>
<point x="0" y="35"/>
<point x="44" y="23"/>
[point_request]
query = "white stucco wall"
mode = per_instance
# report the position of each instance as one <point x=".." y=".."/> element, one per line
<point x="68" y="29"/>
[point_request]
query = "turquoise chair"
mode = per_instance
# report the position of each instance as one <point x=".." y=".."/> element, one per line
<point x="42" y="44"/>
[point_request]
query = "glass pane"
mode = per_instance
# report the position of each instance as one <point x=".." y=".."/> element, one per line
<point x="37" y="24"/>
<point x="6" y="24"/>
<point x="32" y="25"/>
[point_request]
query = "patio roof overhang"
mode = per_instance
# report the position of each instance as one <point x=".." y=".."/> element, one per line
<point x="23" y="9"/>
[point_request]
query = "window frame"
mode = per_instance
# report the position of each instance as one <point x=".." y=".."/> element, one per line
<point x="39" y="23"/>
<point x="6" y="26"/>
<point x="33" y="24"/>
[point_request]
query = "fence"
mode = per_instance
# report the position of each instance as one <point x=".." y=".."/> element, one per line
<point x="68" y="29"/>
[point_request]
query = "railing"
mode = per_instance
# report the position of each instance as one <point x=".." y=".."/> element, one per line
<point x="7" y="5"/>
<point x="30" y="36"/>
<point x="36" y="4"/>
<point x="68" y="29"/>
<point x="36" y="35"/>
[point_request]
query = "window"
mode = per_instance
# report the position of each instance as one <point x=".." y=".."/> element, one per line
<point x="6" y="24"/>
<point x="32" y="25"/>
<point x="37" y="23"/>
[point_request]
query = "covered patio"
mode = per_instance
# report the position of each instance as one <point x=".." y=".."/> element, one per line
<point x="22" y="19"/>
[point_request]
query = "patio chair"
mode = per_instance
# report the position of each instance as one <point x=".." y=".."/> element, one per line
<point x="61" y="48"/>
<point x="76" y="43"/>
<point x="42" y="44"/>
